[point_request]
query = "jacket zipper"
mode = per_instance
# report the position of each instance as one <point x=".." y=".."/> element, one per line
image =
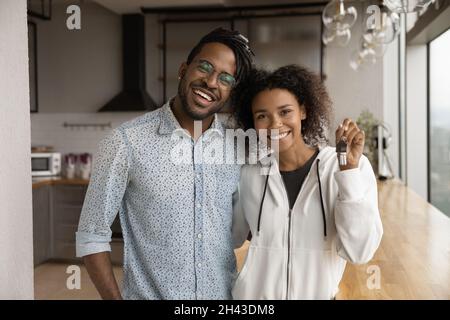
<point x="288" y="240"/>
<point x="289" y="229"/>
<point x="289" y="255"/>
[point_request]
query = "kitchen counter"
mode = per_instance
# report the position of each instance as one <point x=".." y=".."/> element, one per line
<point x="44" y="181"/>
<point x="413" y="259"/>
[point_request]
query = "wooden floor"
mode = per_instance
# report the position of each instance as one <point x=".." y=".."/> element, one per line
<point x="50" y="283"/>
<point x="413" y="258"/>
<point x="414" y="255"/>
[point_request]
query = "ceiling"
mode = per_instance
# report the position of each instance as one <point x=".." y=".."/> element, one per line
<point x="134" y="6"/>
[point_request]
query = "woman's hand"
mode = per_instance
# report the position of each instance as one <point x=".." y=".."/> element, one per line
<point x="355" y="142"/>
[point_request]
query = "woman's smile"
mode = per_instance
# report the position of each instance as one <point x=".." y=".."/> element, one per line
<point x="279" y="135"/>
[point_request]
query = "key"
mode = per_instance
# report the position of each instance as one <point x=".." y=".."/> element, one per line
<point x="341" y="149"/>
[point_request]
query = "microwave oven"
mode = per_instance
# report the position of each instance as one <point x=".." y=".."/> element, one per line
<point x="45" y="164"/>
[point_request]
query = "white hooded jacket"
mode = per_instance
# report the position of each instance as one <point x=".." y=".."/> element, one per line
<point x="290" y="257"/>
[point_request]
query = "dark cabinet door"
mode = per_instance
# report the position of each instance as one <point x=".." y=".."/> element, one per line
<point x="67" y="204"/>
<point x="56" y="213"/>
<point x="41" y="224"/>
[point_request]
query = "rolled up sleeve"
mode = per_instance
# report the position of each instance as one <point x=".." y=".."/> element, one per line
<point x="104" y="195"/>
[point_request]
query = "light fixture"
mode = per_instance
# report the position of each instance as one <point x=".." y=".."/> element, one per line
<point x="383" y="31"/>
<point x="337" y="16"/>
<point x="339" y="37"/>
<point x="406" y="6"/>
<point x="374" y="48"/>
<point x="362" y="58"/>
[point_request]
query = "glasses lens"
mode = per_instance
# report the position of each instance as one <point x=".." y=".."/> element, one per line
<point x="205" y="67"/>
<point x="227" y="80"/>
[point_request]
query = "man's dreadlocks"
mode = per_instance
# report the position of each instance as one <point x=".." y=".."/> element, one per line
<point x="236" y="42"/>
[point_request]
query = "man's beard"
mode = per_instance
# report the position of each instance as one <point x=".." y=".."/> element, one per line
<point x="182" y="94"/>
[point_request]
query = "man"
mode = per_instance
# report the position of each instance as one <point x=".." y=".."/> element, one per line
<point x="175" y="216"/>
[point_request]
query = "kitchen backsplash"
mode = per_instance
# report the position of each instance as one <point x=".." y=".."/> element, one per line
<point x="48" y="129"/>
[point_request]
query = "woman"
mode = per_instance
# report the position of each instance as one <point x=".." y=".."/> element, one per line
<point x="308" y="215"/>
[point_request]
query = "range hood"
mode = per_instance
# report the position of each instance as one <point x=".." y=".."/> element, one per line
<point x="133" y="96"/>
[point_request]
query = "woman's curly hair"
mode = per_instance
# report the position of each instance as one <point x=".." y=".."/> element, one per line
<point x="305" y="85"/>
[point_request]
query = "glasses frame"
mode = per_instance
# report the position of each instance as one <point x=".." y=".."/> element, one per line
<point x="212" y="71"/>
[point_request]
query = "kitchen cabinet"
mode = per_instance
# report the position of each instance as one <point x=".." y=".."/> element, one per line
<point x="56" y="213"/>
<point x="41" y="224"/>
<point x="67" y="205"/>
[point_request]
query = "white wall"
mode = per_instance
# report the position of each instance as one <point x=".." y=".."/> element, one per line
<point x="16" y="239"/>
<point x="373" y="88"/>
<point x="78" y="70"/>
<point x="352" y="91"/>
<point x="416" y="118"/>
<point x="48" y="129"/>
<point x="391" y="101"/>
<point x="81" y="70"/>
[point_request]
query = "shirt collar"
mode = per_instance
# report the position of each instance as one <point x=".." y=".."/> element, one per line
<point x="169" y="124"/>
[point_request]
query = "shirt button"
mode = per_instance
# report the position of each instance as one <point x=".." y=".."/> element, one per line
<point x="199" y="265"/>
<point x="199" y="205"/>
<point x="198" y="176"/>
<point x="199" y="236"/>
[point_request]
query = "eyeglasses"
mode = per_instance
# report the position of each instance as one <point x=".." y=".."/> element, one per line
<point x="226" y="79"/>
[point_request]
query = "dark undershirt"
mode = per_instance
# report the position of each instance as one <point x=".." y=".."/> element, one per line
<point x="293" y="180"/>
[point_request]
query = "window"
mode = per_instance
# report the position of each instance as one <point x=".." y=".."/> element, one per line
<point x="439" y="123"/>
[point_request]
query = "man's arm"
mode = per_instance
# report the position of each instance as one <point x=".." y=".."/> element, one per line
<point x="101" y="205"/>
<point x="101" y="272"/>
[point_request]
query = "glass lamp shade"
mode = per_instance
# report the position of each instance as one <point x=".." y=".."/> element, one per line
<point x="362" y="58"/>
<point x="406" y="6"/>
<point x="339" y="37"/>
<point x="338" y="16"/>
<point x="376" y="49"/>
<point x="385" y="31"/>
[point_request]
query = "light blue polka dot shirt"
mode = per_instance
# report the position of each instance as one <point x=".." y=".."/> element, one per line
<point x="175" y="215"/>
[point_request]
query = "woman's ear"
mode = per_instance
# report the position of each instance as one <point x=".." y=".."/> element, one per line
<point x="182" y="70"/>
<point x="302" y="113"/>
